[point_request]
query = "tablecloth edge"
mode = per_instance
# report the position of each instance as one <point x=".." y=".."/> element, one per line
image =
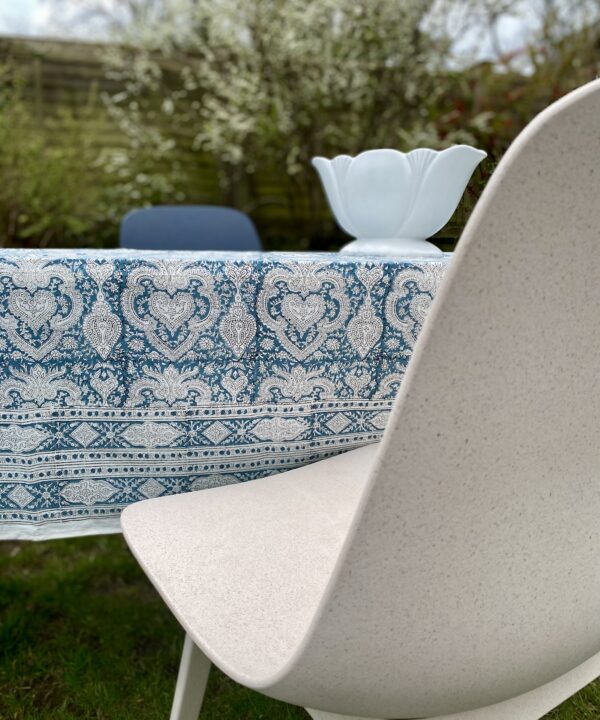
<point x="74" y="528"/>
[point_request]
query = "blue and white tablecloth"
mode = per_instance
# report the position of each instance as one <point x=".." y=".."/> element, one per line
<point x="128" y="375"/>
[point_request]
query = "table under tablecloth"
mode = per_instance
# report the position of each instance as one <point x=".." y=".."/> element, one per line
<point x="127" y="375"/>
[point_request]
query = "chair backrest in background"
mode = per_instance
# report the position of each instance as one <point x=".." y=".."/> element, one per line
<point x="188" y="227"/>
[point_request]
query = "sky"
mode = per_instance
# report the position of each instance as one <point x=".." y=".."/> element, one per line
<point x="47" y="18"/>
<point x="24" y="17"/>
<point x="21" y="17"/>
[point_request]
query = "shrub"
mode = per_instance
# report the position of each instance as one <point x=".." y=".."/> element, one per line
<point x="51" y="189"/>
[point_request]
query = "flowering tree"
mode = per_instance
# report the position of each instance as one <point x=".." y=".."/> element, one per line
<point x="266" y="85"/>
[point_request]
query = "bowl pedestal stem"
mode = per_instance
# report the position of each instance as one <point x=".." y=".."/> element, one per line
<point x="405" y="247"/>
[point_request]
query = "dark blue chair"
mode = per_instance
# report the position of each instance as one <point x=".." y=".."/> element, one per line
<point x="188" y="227"/>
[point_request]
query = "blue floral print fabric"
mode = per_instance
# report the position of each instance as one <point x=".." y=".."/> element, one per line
<point x="127" y="375"/>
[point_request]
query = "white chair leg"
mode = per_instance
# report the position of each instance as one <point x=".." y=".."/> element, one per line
<point x="320" y="715"/>
<point x="191" y="682"/>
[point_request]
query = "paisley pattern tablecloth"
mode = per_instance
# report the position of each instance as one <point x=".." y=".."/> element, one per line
<point x="128" y="375"/>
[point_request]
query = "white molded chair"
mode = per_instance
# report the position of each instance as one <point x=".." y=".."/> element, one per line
<point x="453" y="570"/>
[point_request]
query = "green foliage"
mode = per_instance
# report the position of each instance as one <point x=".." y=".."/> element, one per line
<point x="52" y="187"/>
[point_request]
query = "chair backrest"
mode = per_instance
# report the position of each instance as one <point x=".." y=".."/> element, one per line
<point x="188" y="227"/>
<point x="472" y="571"/>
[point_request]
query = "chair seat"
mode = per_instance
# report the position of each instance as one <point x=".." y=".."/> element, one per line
<point x="243" y="567"/>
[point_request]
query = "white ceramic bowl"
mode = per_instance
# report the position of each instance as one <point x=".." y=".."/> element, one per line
<point x="391" y="201"/>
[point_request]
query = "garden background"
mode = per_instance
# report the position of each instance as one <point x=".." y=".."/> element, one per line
<point x="204" y="102"/>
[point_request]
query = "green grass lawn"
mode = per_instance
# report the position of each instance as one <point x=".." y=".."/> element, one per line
<point x="84" y="635"/>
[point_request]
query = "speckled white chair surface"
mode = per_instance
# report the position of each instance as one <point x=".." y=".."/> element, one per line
<point x="453" y="570"/>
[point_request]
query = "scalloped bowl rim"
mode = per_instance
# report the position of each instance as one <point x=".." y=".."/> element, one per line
<point x="482" y="153"/>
